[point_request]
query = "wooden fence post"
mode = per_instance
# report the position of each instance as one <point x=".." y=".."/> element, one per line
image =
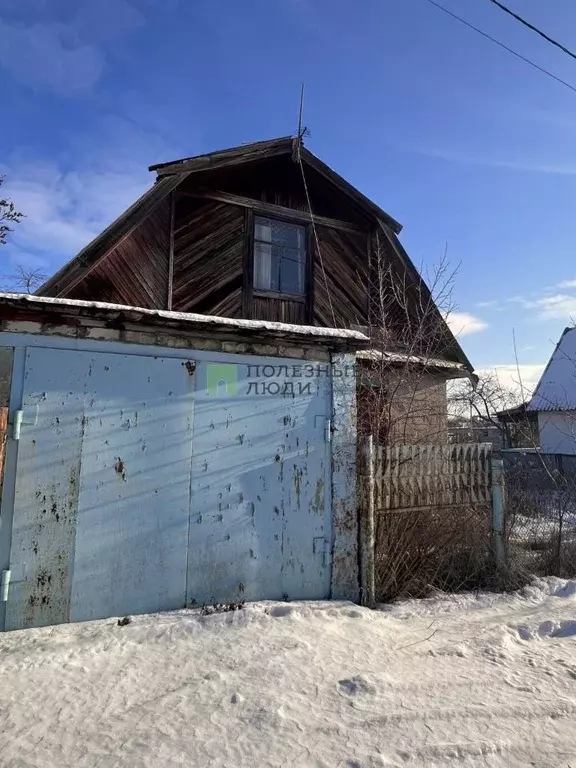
<point x="497" y="466"/>
<point x="366" y="521"/>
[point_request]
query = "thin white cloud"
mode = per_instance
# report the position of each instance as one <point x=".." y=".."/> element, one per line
<point x="567" y="284"/>
<point x="463" y="323"/>
<point x="63" y="48"/>
<point x="567" y="168"/>
<point x="39" y="55"/>
<point x="64" y="211"/>
<point x="521" y="380"/>
<point x="66" y="207"/>
<point x="492" y="304"/>
<point x="559" y="307"/>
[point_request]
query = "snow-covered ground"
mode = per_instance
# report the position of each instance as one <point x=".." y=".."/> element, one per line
<point x="451" y="680"/>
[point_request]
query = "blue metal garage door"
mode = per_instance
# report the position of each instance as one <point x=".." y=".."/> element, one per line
<point x="151" y="483"/>
<point x="261" y="508"/>
<point x="103" y="487"/>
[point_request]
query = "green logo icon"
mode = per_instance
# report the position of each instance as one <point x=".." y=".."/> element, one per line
<point x="221" y="379"/>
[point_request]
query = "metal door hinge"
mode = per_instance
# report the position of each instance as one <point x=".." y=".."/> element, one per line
<point x="27" y="416"/>
<point x="4" y="585"/>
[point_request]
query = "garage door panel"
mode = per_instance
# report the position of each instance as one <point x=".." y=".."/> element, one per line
<point x="103" y="487"/>
<point x="46" y="493"/>
<point x="135" y="488"/>
<point x="260" y="495"/>
<point x="142" y="487"/>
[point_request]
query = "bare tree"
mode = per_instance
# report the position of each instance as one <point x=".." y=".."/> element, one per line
<point x="25" y="279"/>
<point x="402" y="379"/>
<point x="8" y="216"/>
<point x="478" y="402"/>
<point x="430" y="532"/>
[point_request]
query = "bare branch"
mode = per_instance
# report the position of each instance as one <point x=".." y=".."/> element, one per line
<point x="8" y="216"/>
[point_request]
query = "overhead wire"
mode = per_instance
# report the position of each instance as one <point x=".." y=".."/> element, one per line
<point x="502" y="45"/>
<point x="315" y="233"/>
<point x="532" y="27"/>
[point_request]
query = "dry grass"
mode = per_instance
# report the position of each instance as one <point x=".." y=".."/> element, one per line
<point x="438" y="548"/>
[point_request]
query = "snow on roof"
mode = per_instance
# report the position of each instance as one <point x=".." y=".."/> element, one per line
<point x="401" y="357"/>
<point x="556" y="390"/>
<point x="192" y="318"/>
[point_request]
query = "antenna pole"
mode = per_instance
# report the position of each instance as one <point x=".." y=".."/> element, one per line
<point x="301" y="110"/>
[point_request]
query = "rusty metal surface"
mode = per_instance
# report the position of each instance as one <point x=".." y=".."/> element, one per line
<point x="134" y="493"/>
<point x="142" y="485"/>
<point x="45" y="504"/>
<point x="102" y="491"/>
<point x="344" y="504"/>
<point x="261" y="516"/>
<point x="6" y="363"/>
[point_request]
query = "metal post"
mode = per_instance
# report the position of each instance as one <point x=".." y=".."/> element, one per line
<point x="366" y="528"/>
<point x="497" y="467"/>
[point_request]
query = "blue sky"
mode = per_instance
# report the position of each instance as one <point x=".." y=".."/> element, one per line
<point x="455" y="138"/>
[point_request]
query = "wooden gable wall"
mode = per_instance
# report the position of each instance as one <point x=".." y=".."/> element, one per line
<point x="208" y="258"/>
<point x="135" y="272"/>
<point x="341" y="278"/>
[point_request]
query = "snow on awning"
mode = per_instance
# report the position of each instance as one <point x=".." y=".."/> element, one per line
<point x="459" y="369"/>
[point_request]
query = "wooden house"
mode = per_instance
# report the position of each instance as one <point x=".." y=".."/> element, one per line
<point x="267" y="231"/>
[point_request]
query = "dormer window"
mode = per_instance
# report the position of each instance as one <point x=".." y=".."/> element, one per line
<point x="279" y="257"/>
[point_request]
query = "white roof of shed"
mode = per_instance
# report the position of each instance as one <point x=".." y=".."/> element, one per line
<point x="556" y="390"/>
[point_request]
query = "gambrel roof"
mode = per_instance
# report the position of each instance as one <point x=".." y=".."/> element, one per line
<point x="171" y="175"/>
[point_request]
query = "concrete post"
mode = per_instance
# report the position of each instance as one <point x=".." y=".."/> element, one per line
<point x="497" y="467"/>
<point x="366" y="522"/>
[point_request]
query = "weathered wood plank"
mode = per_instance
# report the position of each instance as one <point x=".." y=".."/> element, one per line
<point x="279" y="309"/>
<point x="269" y="209"/>
<point x="171" y="253"/>
<point x="75" y="273"/>
<point x="135" y="272"/>
<point x="342" y="286"/>
<point x="248" y="264"/>
<point x="209" y="259"/>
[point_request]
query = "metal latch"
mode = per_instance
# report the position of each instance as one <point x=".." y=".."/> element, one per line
<point x="322" y="548"/>
<point x="327" y="423"/>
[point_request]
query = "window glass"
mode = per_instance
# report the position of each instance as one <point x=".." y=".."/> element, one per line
<point x="279" y="256"/>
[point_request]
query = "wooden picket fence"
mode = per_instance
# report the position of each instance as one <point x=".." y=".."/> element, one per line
<point x="412" y="477"/>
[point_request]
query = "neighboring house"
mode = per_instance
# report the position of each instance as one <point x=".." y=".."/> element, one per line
<point x="474" y="430"/>
<point x="554" y="400"/>
<point x="519" y="427"/>
<point x="267" y="231"/>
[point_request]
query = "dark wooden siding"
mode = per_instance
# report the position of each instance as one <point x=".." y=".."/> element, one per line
<point x="279" y="310"/>
<point x="208" y="250"/>
<point x="136" y="271"/>
<point x="345" y="259"/>
<point x="279" y="181"/>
